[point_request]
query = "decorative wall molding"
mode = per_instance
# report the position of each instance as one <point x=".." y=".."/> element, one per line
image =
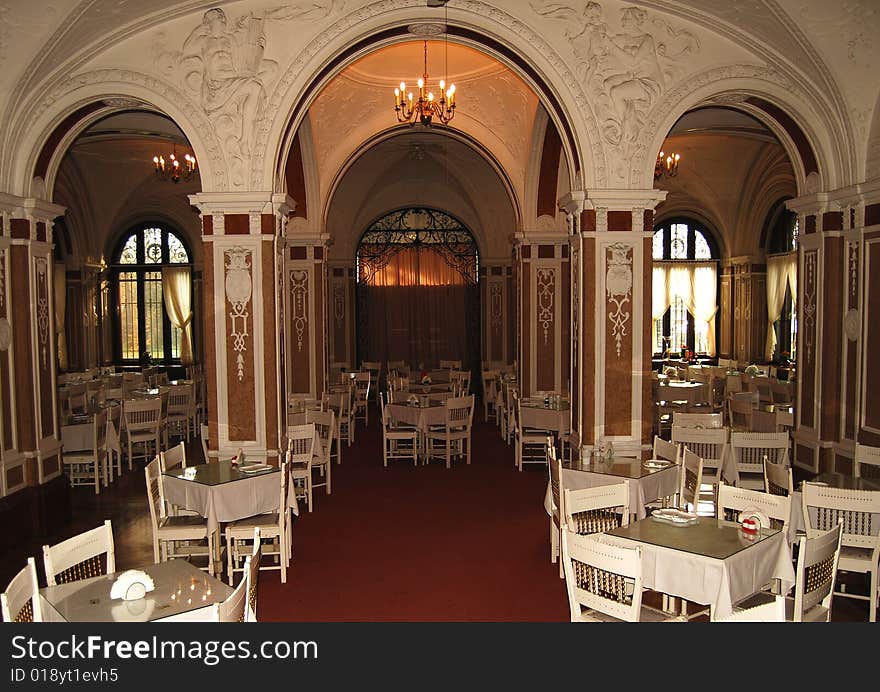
<point x="339" y="303"/>
<point x="41" y="265"/>
<point x="299" y="293"/>
<point x="810" y="281"/>
<point x="238" y="291"/>
<point x="545" y="292"/>
<point x="618" y="286"/>
<point x="496" y="303"/>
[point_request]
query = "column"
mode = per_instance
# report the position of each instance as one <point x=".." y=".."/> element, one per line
<point x="862" y="319"/>
<point x="543" y="314"/>
<point x="305" y="304"/>
<point x="822" y="280"/>
<point x="30" y="450"/>
<point x="497" y="297"/>
<point x="242" y="320"/>
<point x="612" y="263"/>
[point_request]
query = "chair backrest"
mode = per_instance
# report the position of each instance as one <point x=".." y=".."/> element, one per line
<point x="824" y="506"/>
<point x="710" y="444"/>
<point x="603" y="577"/>
<point x="234" y="608"/>
<point x="691" y="479"/>
<point x="181" y="398"/>
<point x="597" y="509"/>
<point x="778" y="479"/>
<point x="155" y="493"/>
<point x="750" y="448"/>
<point x="697" y="420"/>
<point x="450" y="365"/>
<point x="665" y="450"/>
<point x="300" y="439"/>
<point x="763" y="421"/>
<point x="460" y="412"/>
<point x="362" y="381"/>
<point x="88" y="554"/>
<point x="817" y="561"/>
<point x="866" y="462"/>
<point x="771" y="611"/>
<point x="761" y="385"/>
<point x="781" y="391"/>
<point x="203" y="434"/>
<point x="142" y="414"/>
<point x="325" y="425"/>
<point x="252" y="569"/>
<point x="173" y="458"/>
<point x="554" y="470"/>
<point x="735" y="503"/>
<point x="21" y="600"/>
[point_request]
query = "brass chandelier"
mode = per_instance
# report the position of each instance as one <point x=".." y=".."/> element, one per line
<point x="425" y="110"/>
<point x="174" y="169"/>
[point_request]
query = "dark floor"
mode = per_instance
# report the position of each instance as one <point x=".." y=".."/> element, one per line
<point x="124" y="503"/>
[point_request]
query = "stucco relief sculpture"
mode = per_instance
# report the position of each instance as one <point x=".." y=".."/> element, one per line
<point x="299" y="290"/>
<point x="42" y="267"/>
<point x="618" y="286"/>
<point x="546" y="292"/>
<point x="238" y="293"/>
<point x="223" y="62"/>
<point x="626" y="70"/>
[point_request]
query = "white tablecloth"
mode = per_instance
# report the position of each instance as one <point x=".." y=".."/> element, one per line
<point x="421" y="417"/>
<point x="642" y="491"/>
<point x="711" y="581"/>
<point x="539" y="418"/>
<point x="239" y="499"/>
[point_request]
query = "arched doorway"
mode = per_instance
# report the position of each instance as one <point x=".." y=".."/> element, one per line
<point x="417" y="293"/>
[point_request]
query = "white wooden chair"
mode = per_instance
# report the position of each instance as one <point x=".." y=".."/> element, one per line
<point x="866" y="462"/>
<point x="454" y="438"/>
<point x="325" y="426"/>
<point x="113" y="441"/>
<point x="711" y="445"/>
<point x="272" y="526"/>
<point x="88" y="554"/>
<point x="175" y="536"/>
<point x="739" y="409"/>
<point x="363" y="383"/>
<point x="603" y="581"/>
<point x="89" y="466"/>
<point x="778" y="479"/>
<point x="781" y="391"/>
<point x="234" y="608"/>
<point x="300" y="445"/>
<point x="143" y="425"/>
<point x="203" y="437"/>
<point x="21" y="600"/>
<point x="554" y="471"/>
<point x="734" y="502"/>
<point x="691" y="480"/>
<point x="749" y="449"/>
<point x="530" y="444"/>
<point x="398" y="442"/>
<point x="181" y="416"/>
<point x="174" y="460"/>
<point x="823" y="507"/>
<point x="665" y="450"/>
<point x="597" y="509"/>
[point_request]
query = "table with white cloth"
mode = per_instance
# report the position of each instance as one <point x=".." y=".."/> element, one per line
<point x="711" y="562"/>
<point x="647" y="482"/>
<point x="221" y="492"/>
<point x="535" y="415"/>
<point x="679" y="390"/>
<point x="181" y="593"/>
<point x="422" y="416"/>
<point x="78" y="435"/>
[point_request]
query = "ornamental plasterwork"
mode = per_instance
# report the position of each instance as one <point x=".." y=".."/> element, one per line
<point x="545" y="291"/>
<point x="852" y="247"/>
<point x="238" y="292"/>
<point x="496" y="310"/>
<point x="194" y="114"/>
<point x="278" y="94"/>
<point x="809" y="304"/>
<point x="339" y="303"/>
<point x="2" y="281"/>
<point x="618" y="287"/>
<point x="575" y="258"/>
<point x="42" y="267"/>
<point x="299" y="290"/>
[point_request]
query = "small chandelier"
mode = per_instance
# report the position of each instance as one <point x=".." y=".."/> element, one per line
<point x="667" y="164"/>
<point x="174" y="169"/>
<point x="426" y="108"/>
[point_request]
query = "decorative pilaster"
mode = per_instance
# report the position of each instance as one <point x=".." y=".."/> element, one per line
<point x="497" y="297"/>
<point x="242" y="320"/>
<point x="341" y="310"/>
<point x="613" y="285"/>
<point x="30" y="446"/>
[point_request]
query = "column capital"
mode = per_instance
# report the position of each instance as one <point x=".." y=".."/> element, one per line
<point x="234" y="202"/>
<point x="30" y="208"/>
<point x="574" y="202"/>
<point x="624" y="199"/>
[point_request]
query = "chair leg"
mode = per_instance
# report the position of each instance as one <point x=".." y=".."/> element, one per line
<point x="230" y="549"/>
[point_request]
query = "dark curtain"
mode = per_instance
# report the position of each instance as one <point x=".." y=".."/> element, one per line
<point x="417" y="309"/>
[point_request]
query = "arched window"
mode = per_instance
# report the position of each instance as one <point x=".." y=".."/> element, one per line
<point x="685" y="288"/>
<point x="782" y="255"/>
<point x="141" y="324"/>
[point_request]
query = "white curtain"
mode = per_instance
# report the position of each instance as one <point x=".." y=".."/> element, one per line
<point x="659" y="295"/>
<point x="781" y="272"/>
<point x="60" y="287"/>
<point x="695" y="283"/>
<point x="176" y="292"/>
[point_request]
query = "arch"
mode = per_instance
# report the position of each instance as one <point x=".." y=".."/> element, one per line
<point x="513" y="44"/>
<point x="76" y="103"/>
<point x="743" y="87"/>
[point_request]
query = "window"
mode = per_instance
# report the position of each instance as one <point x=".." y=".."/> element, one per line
<point x="783" y="238"/>
<point x="141" y="324"/>
<point x="685" y="278"/>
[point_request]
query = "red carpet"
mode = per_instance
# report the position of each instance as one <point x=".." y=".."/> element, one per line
<point x="422" y="544"/>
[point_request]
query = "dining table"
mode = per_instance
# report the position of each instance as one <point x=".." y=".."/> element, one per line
<point x="222" y="491"/>
<point x="649" y="480"/>
<point x="77" y="433"/>
<point x="681" y="390"/>
<point x="535" y="414"/>
<point x="181" y="593"/>
<point x="708" y="561"/>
